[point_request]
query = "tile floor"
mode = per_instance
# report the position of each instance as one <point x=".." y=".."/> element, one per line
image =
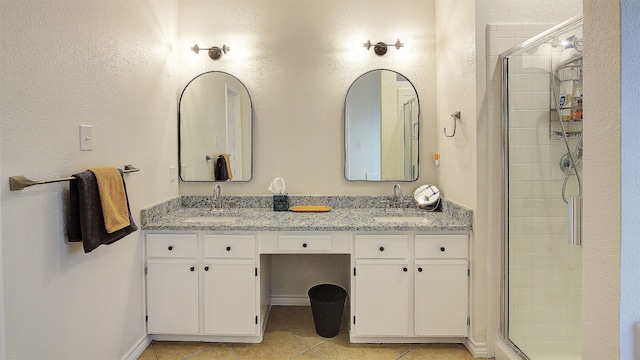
<point x="290" y="334"/>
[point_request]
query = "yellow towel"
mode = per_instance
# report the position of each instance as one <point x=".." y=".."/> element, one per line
<point x="112" y="198"/>
<point x="226" y="159"/>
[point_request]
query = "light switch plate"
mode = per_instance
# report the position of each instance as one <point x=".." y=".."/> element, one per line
<point x="172" y="173"/>
<point x="86" y="137"/>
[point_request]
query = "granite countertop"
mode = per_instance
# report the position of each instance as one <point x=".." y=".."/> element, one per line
<point x="348" y="213"/>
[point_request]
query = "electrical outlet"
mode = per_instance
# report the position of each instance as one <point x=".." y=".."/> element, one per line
<point x="86" y="137"/>
<point x="172" y="173"/>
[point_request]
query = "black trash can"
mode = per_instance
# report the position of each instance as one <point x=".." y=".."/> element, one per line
<point x="327" y="306"/>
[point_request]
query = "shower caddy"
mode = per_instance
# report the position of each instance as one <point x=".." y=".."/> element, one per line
<point x="567" y="71"/>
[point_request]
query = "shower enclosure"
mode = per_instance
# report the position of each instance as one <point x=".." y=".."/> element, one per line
<point x="542" y="123"/>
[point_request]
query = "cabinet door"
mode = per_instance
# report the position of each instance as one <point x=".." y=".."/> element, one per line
<point x="230" y="298"/>
<point x="172" y="296"/>
<point x="381" y="299"/>
<point x="441" y="298"/>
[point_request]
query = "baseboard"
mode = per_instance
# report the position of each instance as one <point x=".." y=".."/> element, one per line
<point x="477" y="350"/>
<point x="404" y="340"/>
<point x="290" y="300"/>
<point x="137" y="348"/>
<point x="247" y="339"/>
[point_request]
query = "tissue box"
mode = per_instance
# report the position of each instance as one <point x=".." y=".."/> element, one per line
<point x="281" y="202"/>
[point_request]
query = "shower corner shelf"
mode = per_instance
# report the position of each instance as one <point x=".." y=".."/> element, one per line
<point x="558" y="134"/>
<point x="573" y="128"/>
<point x="558" y="127"/>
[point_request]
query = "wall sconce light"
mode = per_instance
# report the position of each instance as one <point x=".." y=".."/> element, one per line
<point x="381" y="48"/>
<point x="215" y="52"/>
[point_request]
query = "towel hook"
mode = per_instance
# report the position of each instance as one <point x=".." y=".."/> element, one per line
<point x="456" y="117"/>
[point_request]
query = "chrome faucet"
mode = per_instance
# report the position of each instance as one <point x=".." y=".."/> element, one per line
<point x="216" y="202"/>
<point x="396" y="200"/>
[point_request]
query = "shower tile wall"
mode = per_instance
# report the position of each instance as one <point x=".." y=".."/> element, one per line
<point x="545" y="282"/>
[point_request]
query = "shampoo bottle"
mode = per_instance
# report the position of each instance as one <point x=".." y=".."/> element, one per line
<point x="576" y="105"/>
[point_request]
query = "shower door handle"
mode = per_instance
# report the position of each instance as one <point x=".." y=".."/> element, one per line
<point x="575" y="221"/>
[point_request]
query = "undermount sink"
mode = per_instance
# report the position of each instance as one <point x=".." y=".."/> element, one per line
<point x="211" y="219"/>
<point x="401" y="219"/>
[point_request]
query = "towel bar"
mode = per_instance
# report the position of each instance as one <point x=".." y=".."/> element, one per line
<point x="20" y="182"/>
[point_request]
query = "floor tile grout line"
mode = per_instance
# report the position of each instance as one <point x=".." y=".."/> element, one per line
<point x="215" y="344"/>
<point x="308" y="347"/>
<point x="298" y="338"/>
<point x="154" y="350"/>
<point x="406" y="352"/>
<point x="315" y="353"/>
<point x="234" y="351"/>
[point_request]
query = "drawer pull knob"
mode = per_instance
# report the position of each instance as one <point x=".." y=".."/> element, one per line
<point x="381" y="248"/>
<point x="192" y="268"/>
<point x="442" y="249"/>
<point x="304" y="245"/>
<point x="170" y="247"/>
<point x="228" y="248"/>
<point x="206" y="268"/>
<point x="405" y="269"/>
<point x="419" y="269"/>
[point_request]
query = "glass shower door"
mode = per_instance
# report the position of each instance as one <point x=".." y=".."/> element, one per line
<point x="542" y="82"/>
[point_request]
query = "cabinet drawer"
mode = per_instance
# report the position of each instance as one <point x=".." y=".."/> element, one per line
<point x="381" y="247"/>
<point x="172" y="245"/>
<point x="230" y="246"/>
<point x="441" y="246"/>
<point x="304" y="243"/>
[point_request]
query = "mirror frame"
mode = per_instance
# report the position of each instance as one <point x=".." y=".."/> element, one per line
<point x="344" y="130"/>
<point x="180" y="137"/>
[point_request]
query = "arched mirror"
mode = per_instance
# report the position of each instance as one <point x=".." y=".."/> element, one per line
<point x="215" y="123"/>
<point x="381" y="117"/>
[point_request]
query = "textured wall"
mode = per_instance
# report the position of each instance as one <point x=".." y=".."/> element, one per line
<point x="298" y="59"/>
<point x="65" y="63"/>
<point x="457" y="173"/>
<point x="456" y="92"/>
<point x="601" y="213"/>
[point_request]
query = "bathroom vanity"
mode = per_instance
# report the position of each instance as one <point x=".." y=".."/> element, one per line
<point x="208" y="276"/>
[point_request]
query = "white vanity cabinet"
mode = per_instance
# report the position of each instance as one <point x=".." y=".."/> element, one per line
<point x="215" y="286"/>
<point x="202" y="284"/>
<point x="229" y="285"/>
<point x="172" y="284"/>
<point x="441" y="285"/>
<point x="411" y="287"/>
<point x="382" y="285"/>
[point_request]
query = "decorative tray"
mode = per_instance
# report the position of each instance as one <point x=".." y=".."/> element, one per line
<point x="310" y="208"/>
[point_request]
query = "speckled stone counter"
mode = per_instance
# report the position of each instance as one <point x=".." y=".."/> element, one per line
<point x="349" y="213"/>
